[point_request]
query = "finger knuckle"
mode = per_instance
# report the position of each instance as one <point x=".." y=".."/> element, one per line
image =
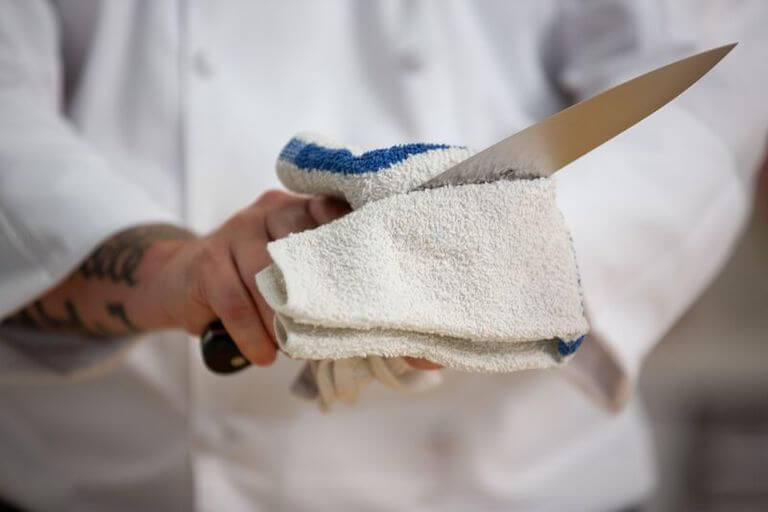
<point x="213" y="254"/>
<point x="271" y="197"/>
<point x="239" y="219"/>
<point x="237" y="310"/>
<point x="326" y="209"/>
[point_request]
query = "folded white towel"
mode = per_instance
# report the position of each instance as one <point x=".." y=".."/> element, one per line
<point x="475" y="277"/>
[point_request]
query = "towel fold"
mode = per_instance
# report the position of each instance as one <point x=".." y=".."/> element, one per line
<point x="476" y="277"/>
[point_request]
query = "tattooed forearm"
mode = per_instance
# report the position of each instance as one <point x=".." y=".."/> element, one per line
<point x="37" y="316"/>
<point x="96" y="299"/>
<point x="71" y="322"/>
<point x="119" y="258"/>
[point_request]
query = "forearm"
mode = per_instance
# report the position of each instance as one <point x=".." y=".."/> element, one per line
<point x="159" y="276"/>
<point x="116" y="290"/>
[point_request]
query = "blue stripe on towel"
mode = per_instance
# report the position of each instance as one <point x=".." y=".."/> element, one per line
<point x="310" y="156"/>
<point x="567" y="348"/>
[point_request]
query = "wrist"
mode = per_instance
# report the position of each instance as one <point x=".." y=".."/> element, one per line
<point x="158" y="301"/>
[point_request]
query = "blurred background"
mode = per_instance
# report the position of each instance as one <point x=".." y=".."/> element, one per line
<point x="706" y="387"/>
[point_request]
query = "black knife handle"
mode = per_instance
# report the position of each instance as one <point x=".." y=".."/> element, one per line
<point x="220" y="353"/>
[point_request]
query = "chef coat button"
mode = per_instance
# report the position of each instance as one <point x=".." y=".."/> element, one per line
<point x="411" y="61"/>
<point x="202" y="65"/>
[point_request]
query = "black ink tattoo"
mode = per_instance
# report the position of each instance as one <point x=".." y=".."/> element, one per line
<point x="118" y="258"/>
<point x="71" y="322"/>
<point x="38" y="317"/>
<point x="118" y="310"/>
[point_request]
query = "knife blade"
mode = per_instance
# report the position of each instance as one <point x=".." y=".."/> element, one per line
<point x="536" y="151"/>
<point x="549" y="145"/>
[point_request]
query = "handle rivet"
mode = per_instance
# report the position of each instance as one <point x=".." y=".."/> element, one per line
<point x="237" y="361"/>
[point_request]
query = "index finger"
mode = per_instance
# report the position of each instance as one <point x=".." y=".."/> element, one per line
<point x="325" y="209"/>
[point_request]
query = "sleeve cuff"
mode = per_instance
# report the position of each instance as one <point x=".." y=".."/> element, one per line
<point x="35" y="357"/>
<point x="664" y="211"/>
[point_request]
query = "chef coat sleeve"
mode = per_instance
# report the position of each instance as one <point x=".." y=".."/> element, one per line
<point x="655" y="212"/>
<point x="58" y="197"/>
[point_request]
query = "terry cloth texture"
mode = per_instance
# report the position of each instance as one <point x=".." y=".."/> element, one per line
<point x="476" y="277"/>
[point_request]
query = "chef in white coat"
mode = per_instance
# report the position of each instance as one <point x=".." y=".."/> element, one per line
<point x="135" y="140"/>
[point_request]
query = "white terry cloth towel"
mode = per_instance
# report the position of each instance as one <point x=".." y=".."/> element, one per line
<point x="478" y="277"/>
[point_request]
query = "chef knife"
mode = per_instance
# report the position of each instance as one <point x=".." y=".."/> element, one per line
<point x="536" y="151"/>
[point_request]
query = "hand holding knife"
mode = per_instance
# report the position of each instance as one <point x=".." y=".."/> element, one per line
<point x="545" y="147"/>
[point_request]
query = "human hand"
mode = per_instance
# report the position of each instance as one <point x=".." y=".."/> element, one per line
<point x="213" y="276"/>
<point x="152" y="277"/>
<point x="217" y="272"/>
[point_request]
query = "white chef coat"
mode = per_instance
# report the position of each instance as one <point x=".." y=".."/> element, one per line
<point x="114" y="114"/>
